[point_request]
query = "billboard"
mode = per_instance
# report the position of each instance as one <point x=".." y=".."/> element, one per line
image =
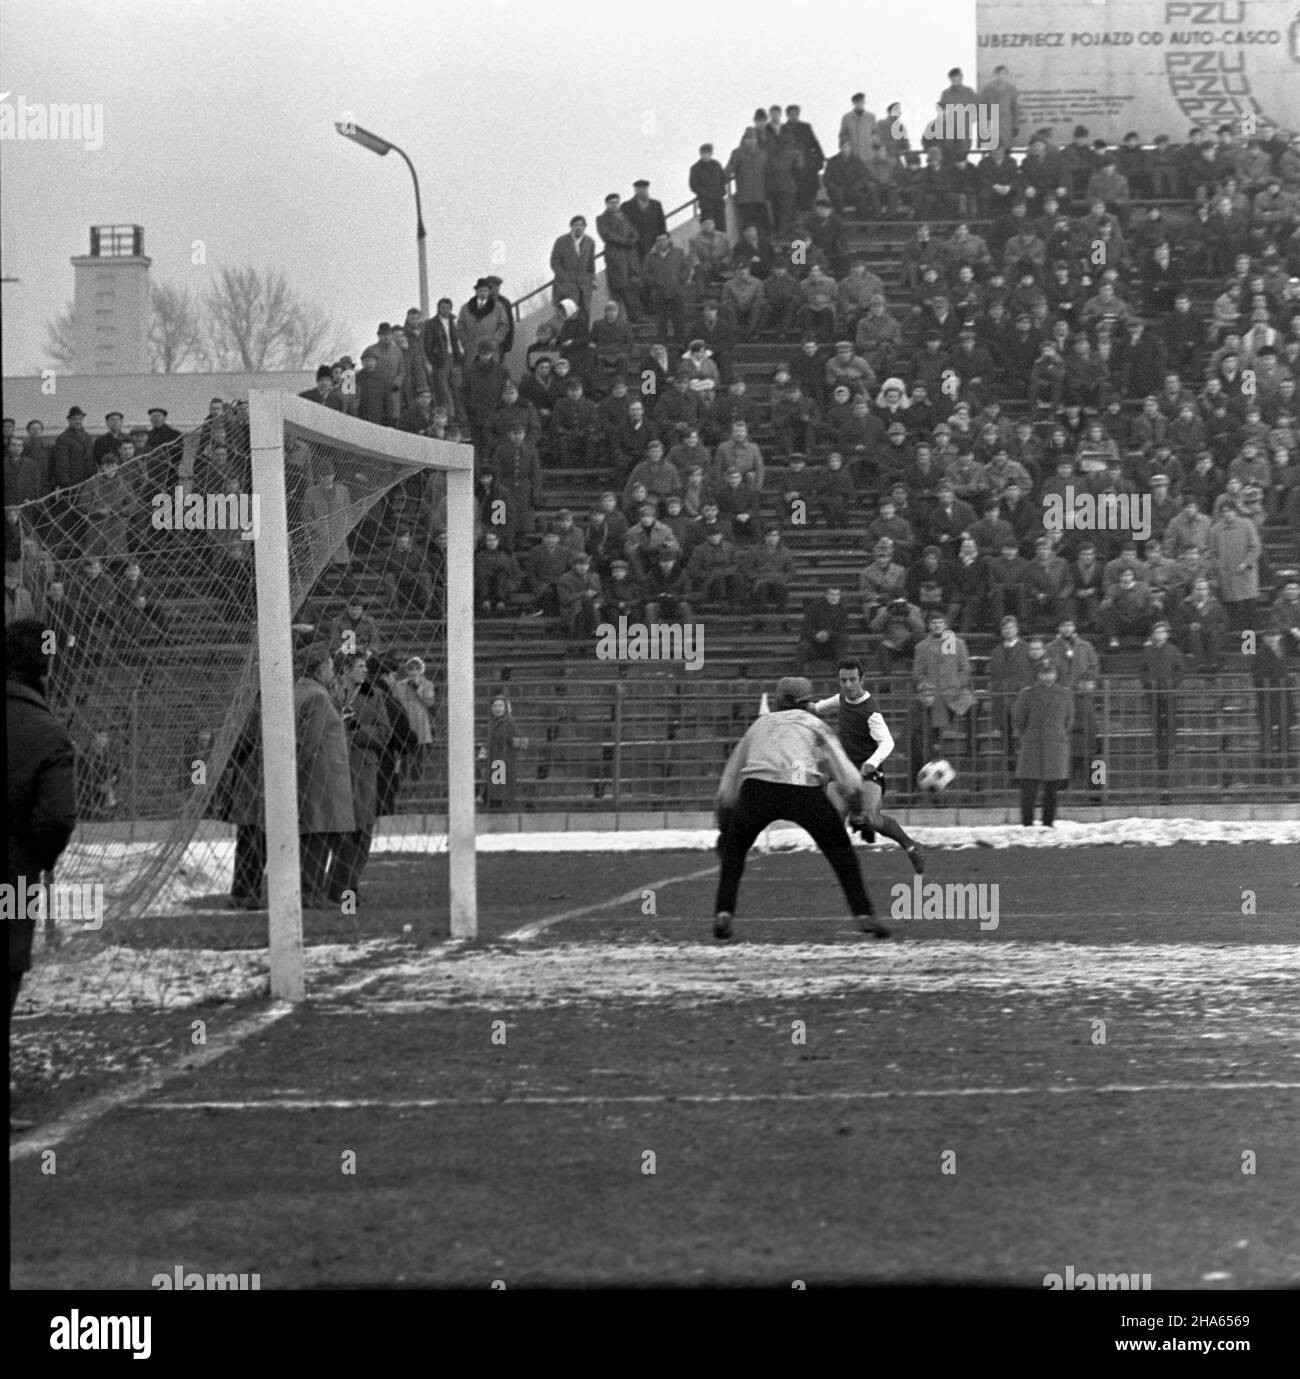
<point x="1155" y="66"/>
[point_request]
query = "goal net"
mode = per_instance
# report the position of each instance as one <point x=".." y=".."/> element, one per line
<point x="262" y="639"/>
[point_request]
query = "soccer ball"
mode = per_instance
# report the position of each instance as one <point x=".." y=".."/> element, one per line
<point x="935" y="776"/>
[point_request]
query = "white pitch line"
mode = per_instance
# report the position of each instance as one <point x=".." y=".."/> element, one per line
<point x="696" y="1098"/>
<point x="47" y="1136"/>
<point x="222" y="1043"/>
<point x="742" y="919"/>
<point x="530" y="931"/>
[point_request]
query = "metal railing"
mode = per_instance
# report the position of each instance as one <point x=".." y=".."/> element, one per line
<point x="623" y="745"/>
<point x="659" y="743"/>
<point x="669" y="216"/>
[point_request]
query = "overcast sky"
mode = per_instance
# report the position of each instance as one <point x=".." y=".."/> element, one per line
<point x="218" y="123"/>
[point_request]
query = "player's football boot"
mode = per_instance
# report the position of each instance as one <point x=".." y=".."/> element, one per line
<point x="916" y="857"/>
<point x="869" y="924"/>
<point x="722" y="925"/>
<point x="862" y="828"/>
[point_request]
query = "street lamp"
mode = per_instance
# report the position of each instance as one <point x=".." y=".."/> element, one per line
<point x="380" y="146"/>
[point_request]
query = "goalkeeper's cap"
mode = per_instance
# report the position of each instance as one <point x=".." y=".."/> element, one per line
<point x="795" y="688"/>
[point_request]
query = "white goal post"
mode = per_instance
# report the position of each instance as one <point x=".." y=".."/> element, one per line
<point x="269" y="413"/>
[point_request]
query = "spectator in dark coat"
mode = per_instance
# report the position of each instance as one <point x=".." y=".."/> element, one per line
<point x="42" y="782"/>
<point x="496" y="575"/>
<point x="708" y="183"/>
<point x="1200" y="625"/>
<point x="1275" y="699"/>
<point x="622" y="256"/>
<point x="325" y="812"/>
<point x="23" y="482"/>
<point x="72" y="460"/>
<point x="240" y="799"/>
<point x="1009" y="671"/>
<point x="1042" y="719"/>
<point x="1161" y="672"/>
<point x="748" y="165"/>
<point x="368" y="729"/>
<point x="647" y="217"/>
<point x="500" y="755"/>
<point x="824" y="633"/>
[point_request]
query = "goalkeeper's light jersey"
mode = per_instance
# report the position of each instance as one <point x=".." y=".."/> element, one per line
<point x="789" y="747"/>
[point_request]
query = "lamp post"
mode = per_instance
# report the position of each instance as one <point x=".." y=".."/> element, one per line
<point x="382" y="146"/>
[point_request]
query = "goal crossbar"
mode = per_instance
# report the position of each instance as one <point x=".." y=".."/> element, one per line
<point x="270" y="413"/>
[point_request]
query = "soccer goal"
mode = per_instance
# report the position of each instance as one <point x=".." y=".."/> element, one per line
<point x="183" y="593"/>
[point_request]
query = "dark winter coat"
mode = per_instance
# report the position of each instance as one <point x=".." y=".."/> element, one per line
<point x="324" y="775"/>
<point x="1043" y="716"/>
<point x="42" y="800"/>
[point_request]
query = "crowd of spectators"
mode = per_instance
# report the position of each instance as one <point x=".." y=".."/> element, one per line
<point x="1057" y="353"/>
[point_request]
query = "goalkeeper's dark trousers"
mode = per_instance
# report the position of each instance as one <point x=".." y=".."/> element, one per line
<point x="763" y="802"/>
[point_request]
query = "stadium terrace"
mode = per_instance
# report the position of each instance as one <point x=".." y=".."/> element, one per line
<point x="653" y="642"/>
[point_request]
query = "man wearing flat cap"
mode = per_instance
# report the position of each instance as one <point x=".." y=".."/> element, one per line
<point x="111" y="438"/>
<point x="779" y="770"/>
<point x="72" y="460"/>
<point x="573" y="261"/>
<point x="647" y="217"/>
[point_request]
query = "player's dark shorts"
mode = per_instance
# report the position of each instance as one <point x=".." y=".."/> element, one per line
<point x="874" y="776"/>
<point x="763" y="802"/>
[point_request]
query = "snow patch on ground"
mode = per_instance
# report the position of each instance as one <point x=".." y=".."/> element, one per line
<point x="206" y="866"/>
<point x="1067" y="833"/>
<point x="121" y="980"/>
<point x="1231" y="979"/>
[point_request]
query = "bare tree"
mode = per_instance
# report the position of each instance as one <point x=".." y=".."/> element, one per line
<point x="58" y="339"/>
<point x="257" y="323"/>
<point x="176" y="336"/>
<point x="247" y="322"/>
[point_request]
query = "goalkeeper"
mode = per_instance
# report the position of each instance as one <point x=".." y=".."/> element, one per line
<point x="778" y="770"/>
